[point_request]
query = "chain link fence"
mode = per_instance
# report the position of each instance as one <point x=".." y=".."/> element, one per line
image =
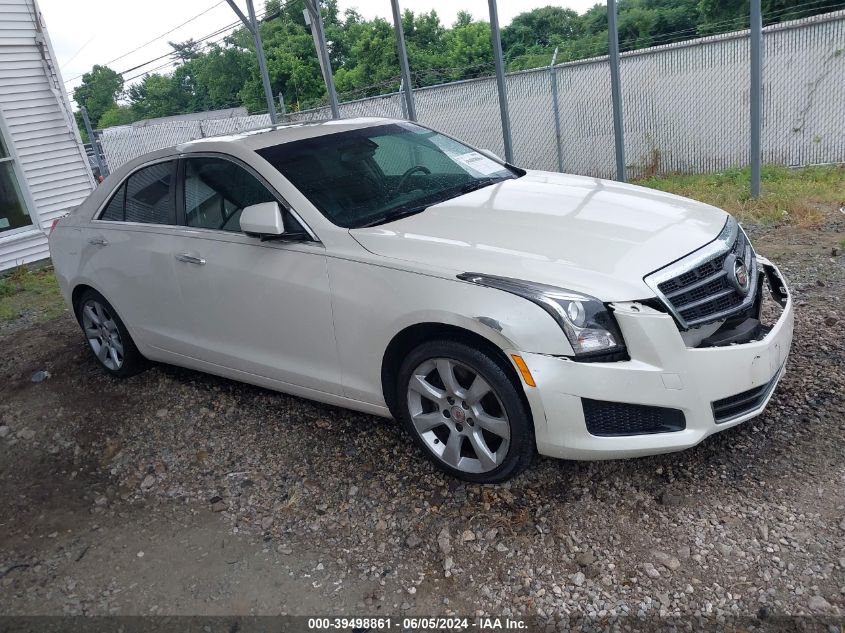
<point x="685" y="106"/>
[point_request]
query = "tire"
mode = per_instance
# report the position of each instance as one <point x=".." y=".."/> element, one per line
<point x="476" y="431"/>
<point x="107" y="336"/>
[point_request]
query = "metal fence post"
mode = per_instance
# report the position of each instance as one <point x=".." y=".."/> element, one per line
<point x="403" y="60"/>
<point x="553" y="82"/>
<point x="756" y="36"/>
<point x="402" y="102"/>
<point x="93" y="140"/>
<point x="313" y="8"/>
<point x="616" y="93"/>
<point x="252" y="26"/>
<point x="282" y="109"/>
<point x="500" y="80"/>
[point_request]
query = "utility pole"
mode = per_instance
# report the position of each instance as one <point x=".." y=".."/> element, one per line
<point x="615" y="90"/>
<point x="93" y="139"/>
<point x="315" y="19"/>
<point x="756" y="36"/>
<point x="500" y="80"/>
<point x="403" y="61"/>
<point x="252" y="26"/>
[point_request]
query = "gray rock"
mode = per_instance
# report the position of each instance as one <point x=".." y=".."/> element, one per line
<point x="501" y="547"/>
<point x="671" y="497"/>
<point x="650" y="570"/>
<point x="444" y="541"/>
<point x="817" y="603"/>
<point x="284" y="549"/>
<point x="448" y="563"/>
<point x="26" y="434"/>
<point x="684" y="552"/>
<point x="585" y="558"/>
<point x="266" y="522"/>
<point x="578" y="579"/>
<point x="4" y="431"/>
<point x="40" y="376"/>
<point x="764" y="531"/>
<point x="148" y="482"/>
<point x="413" y="540"/>
<point x="667" y="560"/>
<point x="724" y="549"/>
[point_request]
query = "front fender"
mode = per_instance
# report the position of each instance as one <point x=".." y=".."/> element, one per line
<point x="373" y="303"/>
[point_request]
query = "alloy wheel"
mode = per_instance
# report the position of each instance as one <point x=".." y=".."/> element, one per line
<point x="458" y="415"/>
<point x="103" y="334"/>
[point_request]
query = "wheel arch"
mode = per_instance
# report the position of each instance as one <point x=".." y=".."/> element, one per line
<point x="75" y="295"/>
<point x="413" y="335"/>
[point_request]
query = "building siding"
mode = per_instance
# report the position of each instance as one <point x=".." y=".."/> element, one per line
<point x="40" y="130"/>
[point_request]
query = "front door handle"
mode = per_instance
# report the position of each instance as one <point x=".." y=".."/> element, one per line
<point x="98" y="241"/>
<point x="190" y="259"/>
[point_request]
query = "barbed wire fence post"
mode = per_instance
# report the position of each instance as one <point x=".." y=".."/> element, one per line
<point x="500" y="80"/>
<point x="615" y="89"/>
<point x="756" y="99"/>
<point x="553" y="82"/>
<point x="251" y="25"/>
<point x="402" y="52"/>
<point x="315" y="19"/>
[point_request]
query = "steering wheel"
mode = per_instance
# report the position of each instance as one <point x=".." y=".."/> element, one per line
<point x="408" y="173"/>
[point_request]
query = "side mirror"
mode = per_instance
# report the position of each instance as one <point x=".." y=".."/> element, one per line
<point x="263" y="220"/>
<point x="492" y="155"/>
<point x="266" y="221"/>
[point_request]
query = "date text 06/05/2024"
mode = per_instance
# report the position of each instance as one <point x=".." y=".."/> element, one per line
<point x="415" y="624"/>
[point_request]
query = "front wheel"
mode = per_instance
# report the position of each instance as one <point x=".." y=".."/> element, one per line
<point x="465" y="412"/>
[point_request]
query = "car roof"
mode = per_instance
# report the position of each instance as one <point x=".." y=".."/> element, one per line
<point x="284" y="133"/>
<point x="250" y="139"/>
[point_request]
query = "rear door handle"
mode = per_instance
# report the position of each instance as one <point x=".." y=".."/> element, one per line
<point x="98" y="241"/>
<point x="190" y="259"/>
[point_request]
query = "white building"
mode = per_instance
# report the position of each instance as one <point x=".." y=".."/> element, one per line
<point x="44" y="171"/>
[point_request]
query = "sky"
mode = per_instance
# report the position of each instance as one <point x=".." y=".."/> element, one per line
<point x="88" y="32"/>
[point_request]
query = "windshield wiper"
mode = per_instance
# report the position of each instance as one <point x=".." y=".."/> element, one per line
<point x="474" y="185"/>
<point x="395" y="214"/>
<point x="404" y="212"/>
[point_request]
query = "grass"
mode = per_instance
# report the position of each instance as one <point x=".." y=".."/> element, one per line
<point x="33" y="293"/>
<point x="793" y="196"/>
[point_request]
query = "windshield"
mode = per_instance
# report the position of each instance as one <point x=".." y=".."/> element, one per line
<point x="377" y="174"/>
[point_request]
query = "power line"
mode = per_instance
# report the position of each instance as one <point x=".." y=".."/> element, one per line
<point x="155" y="39"/>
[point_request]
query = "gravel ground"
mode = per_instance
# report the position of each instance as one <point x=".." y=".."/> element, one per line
<point x="180" y="493"/>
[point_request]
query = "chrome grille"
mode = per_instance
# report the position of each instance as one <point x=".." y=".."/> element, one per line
<point x="698" y="288"/>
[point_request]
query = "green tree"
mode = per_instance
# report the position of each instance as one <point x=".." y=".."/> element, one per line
<point x="98" y="92"/>
<point x="118" y="115"/>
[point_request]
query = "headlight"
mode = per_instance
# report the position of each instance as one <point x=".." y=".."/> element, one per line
<point x="587" y="323"/>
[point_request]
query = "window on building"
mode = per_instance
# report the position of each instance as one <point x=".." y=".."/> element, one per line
<point x="13" y="211"/>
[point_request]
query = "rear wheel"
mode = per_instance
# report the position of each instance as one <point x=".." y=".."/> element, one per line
<point x="107" y="336"/>
<point x="465" y="412"/>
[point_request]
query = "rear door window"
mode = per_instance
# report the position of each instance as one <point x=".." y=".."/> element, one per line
<point x="149" y="196"/>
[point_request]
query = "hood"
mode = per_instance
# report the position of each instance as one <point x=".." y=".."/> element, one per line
<point x="594" y="236"/>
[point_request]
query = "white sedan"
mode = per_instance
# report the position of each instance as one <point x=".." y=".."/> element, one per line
<point x="381" y="266"/>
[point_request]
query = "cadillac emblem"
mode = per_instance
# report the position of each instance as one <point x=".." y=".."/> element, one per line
<point x="738" y="274"/>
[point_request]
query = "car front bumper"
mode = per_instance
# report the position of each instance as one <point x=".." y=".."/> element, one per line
<point x="662" y="372"/>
